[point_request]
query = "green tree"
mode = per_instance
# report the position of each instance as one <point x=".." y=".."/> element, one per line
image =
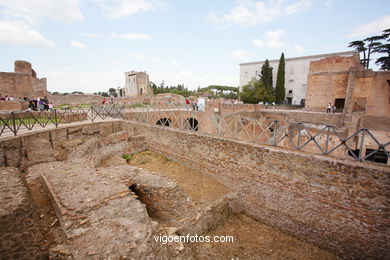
<point x="266" y="75"/>
<point x="255" y="91"/>
<point x="360" y="47"/>
<point x="280" y="91"/>
<point x="384" y="48"/>
<point x="370" y="45"/>
<point x="112" y="92"/>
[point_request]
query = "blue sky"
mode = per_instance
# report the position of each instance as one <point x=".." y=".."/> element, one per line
<point x="87" y="45"/>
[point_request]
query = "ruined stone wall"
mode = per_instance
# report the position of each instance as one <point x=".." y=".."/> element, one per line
<point x="372" y="93"/>
<point x="324" y="88"/>
<point x="20" y="234"/>
<point x="13" y="105"/>
<point x="74" y="100"/>
<point x="328" y="80"/>
<point x="22" y="151"/>
<point x="335" y="204"/>
<point x="22" y="82"/>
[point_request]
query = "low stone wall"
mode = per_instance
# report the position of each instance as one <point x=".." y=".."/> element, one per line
<point x="75" y="100"/>
<point x="46" y="145"/>
<point x="336" y="119"/>
<point x="336" y="204"/>
<point x="13" y="105"/>
<point x="20" y="235"/>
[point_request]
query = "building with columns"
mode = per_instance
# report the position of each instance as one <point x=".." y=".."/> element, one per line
<point x="296" y="74"/>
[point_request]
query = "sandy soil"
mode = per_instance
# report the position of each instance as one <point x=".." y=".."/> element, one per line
<point x="254" y="240"/>
<point x="202" y="188"/>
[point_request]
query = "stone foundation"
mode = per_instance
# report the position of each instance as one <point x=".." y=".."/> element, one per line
<point x="338" y="205"/>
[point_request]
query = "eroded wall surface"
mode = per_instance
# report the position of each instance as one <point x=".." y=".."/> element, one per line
<point x="338" y="205"/>
<point x="335" y="204"/>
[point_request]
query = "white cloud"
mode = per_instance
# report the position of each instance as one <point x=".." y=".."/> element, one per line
<point x="193" y="80"/>
<point x="113" y="9"/>
<point x="12" y="32"/>
<point x="272" y="39"/>
<point x="131" y="36"/>
<point x="371" y="28"/>
<point x="92" y="35"/>
<point x="250" y="13"/>
<point x="297" y="7"/>
<point x="258" y="42"/>
<point x="77" y="44"/>
<point x="299" y="48"/>
<point x="141" y="57"/>
<point x="328" y="4"/>
<point x="32" y="11"/>
<point x="241" y="55"/>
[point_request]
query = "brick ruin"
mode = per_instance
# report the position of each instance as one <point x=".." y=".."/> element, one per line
<point x="105" y="210"/>
<point x="341" y="81"/>
<point x="23" y="82"/>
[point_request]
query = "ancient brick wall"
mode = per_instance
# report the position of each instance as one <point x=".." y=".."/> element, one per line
<point x="338" y="205"/>
<point x="329" y="79"/>
<point x="74" y="100"/>
<point x="13" y="105"/>
<point x="372" y="94"/>
<point x="20" y="234"/>
<point x="333" y="64"/>
<point x="324" y="88"/>
<point x="21" y="151"/>
<point x="23" y="82"/>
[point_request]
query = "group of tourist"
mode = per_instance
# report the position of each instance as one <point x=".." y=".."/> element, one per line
<point x="192" y="103"/>
<point x="111" y="101"/>
<point x="40" y="104"/>
<point x="7" y="98"/>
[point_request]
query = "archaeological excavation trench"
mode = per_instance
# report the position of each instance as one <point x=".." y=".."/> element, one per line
<point x="107" y="190"/>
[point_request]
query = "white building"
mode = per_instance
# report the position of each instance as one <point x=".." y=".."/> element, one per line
<point x="137" y="84"/>
<point x="296" y="73"/>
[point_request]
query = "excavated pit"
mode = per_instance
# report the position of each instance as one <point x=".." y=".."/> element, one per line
<point x="109" y="197"/>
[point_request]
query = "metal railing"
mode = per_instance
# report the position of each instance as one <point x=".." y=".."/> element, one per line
<point x="362" y="145"/>
<point x="15" y="122"/>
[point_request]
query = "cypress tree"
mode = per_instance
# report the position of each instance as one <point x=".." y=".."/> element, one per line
<point x="280" y="91"/>
<point x="266" y="75"/>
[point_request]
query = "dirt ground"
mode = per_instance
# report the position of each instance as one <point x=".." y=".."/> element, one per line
<point x="252" y="239"/>
<point x="202" y="188"/>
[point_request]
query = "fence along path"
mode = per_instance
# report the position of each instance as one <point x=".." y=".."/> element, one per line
<point x="297" y="136"/>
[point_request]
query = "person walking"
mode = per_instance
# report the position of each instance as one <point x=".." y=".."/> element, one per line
<point x="329" y="108"/>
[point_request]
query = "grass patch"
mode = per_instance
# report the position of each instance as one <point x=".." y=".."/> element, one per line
<point x="127" y="157"/>
<point x="68" y="107"/>
<point x="138" y="106"/>
<point x="28" y="121"/>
